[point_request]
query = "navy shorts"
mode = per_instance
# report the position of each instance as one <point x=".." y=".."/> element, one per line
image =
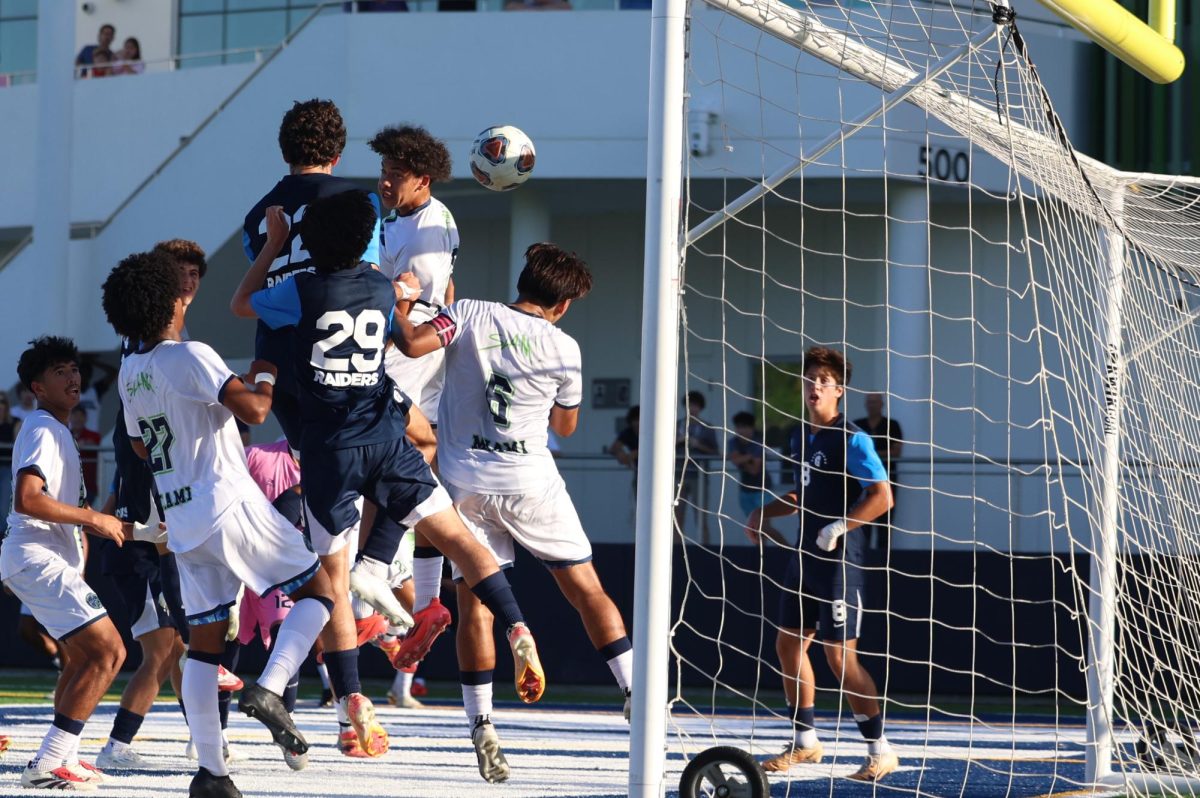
<point x="823" y="595"/>
<point x="392" y="475"/>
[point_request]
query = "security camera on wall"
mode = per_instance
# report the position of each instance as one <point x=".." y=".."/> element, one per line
<point x="88" y="8"/>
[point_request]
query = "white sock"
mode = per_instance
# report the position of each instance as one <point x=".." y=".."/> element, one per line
<point x="295" y="637"/>
<point x="323" y="672"/>
<point x="203" y="718"/>
<point x="477" y="700"/>
<point x="877" y="747"/>
<point x="55" y="750"/>
<point x="360" y="608"/>
<point x="806" y="738"/>
<point x="427" y="581"/>
<point x="73" y="757"/>
<point x="402" y="684"/>
<point x="342" y="715"/>
<point x="622" y="669"/>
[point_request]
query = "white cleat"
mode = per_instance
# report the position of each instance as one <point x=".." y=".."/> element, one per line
<point x="62" y="779"/>
<point x="125" y="759"/>
<point x="492" y="764"/>
<point x="295" y="761"/>
<point x="375" y="590"/>
<point x="877" y="766"/>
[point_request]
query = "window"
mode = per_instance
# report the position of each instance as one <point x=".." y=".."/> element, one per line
<point x="233" y="31"/>
<point x="18" y="37"/>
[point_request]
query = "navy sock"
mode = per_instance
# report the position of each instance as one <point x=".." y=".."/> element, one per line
<point x="384" y="541"/>
<point x="223" y="699"/>
<point x="496" y="594"/>
<point x="69" y="725"/>
<point x="871" y="728"/>
<point x="290" y="693"/>
<point x="126" y="725"/>
<point x="343" y="672"/>
<point x="804" y="718"/>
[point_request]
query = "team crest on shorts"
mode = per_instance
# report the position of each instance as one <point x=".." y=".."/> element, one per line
<point x="93" y="601"/>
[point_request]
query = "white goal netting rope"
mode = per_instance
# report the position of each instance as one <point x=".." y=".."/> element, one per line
<point x="891" y="180"/>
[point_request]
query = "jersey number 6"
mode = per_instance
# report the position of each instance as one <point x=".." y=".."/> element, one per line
<point x="499" y="399"/>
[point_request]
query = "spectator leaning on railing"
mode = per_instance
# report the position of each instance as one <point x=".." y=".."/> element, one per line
<point x="86" y="57"/>
<point x="129" y="60"/>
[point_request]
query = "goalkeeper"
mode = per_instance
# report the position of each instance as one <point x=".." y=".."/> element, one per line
<point x="840" y="486"/>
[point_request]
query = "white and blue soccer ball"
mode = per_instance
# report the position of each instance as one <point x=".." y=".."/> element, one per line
<point x="502" y="158"/>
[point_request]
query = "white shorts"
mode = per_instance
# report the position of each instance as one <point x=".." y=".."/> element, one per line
<point x="401" y="569"/>
<point x="151" y="619"/>
<point x="324" y="543"/>
<point x="253" y="545"/>
<point x="420" y="378"/>
<point x="56" y="596"/>
<point x="544" y="523"/>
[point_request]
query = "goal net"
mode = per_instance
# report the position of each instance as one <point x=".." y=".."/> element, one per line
<point x="891" y="180"/>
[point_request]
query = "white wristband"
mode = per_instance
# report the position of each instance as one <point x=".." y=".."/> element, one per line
<point x="408" y="292"/>
<point x="264" y="376"/>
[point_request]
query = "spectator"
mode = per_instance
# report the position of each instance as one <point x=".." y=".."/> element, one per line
<point x="537" y="5"/>
<point x="693" y="438"/>
<point x="26" y="404"/>
<point x="92" y="391"/>
<point x="746" y="451"/>
<point x="625" y="447"/>
<point x="889" y="441"/>
<point x="8" y="433"/>
<point x="88" y="443"/>
<point x="129" y="60"/>
<point x="101" y="63"/>
<point x="86" y="57"/>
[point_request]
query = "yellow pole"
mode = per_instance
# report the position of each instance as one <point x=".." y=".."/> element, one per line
<point x="1162" y="18"/>
<point x="1142" y="47"/>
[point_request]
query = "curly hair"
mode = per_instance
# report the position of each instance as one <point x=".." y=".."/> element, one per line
<point x="182" y="250"/>
<point x="831" y="360"/>
<point x="139" y="295"/>
<point x="312" y="133"/>
<point x="415" y="149"/>
<point x="44" y="353"/>
<point x="337" y="229"/>
<point x="552" y="274"/>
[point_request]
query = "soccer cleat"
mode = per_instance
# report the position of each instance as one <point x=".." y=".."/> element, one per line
<point x="60" y="778"/>
<point x="403" y="701"/>
<point x="88" y="772"/>
<point x="527" y="668"/>
<point x="793" y="754"/>
<point x="206" y="785"/>
<point x="259" y="702"/>
<point x="492" y="764"/>
<point x="125" y="759"/>
<point x="369" y="628"/>
<point x="349" y="746"/>
<point x="378" y="593"/>
<point x="419" y="688"/>
<point x="5" y="742"/>
<point x="228" y="682"/>
<point x="876" y="766"/>
<point x="361" y="713"/>
<point x="389" y="645"/>
<point x="628" y="710"/>
<point x="427" y="625"/>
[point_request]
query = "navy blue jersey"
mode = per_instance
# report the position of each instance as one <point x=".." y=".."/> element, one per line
<point x="294" y="193"/>
<point x="833" y="465"/>
<point x="341" y="324"/>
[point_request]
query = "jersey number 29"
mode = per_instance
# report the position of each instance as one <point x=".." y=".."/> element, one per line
<point x="367" y="329"/>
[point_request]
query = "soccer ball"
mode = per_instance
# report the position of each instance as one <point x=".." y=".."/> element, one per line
<point x="502" y="158"/>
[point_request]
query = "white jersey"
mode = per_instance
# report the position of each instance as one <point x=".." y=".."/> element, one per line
<point x="45" y="446"/>
<point x="505" y="370"/>
<point x="424" y="242"/>
<point x="172" y="400"/>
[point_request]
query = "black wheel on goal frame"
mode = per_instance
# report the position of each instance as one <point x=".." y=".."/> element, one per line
<point x="724" y="772"/>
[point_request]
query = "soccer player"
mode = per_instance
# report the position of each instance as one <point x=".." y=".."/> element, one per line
<point x="840" y="486"/>
<point x="420" y="237"/>
<point x="509" y="369"/>
<point x="42" y="561"/>
<point x="136" y="568"/>
<point x="353" y="443"/>
<point x="179" y="403"/>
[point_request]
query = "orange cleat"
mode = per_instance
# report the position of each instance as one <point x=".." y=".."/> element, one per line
<point x="427" y="625"/>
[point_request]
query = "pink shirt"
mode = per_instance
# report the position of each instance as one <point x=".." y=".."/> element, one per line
<point x="273" y="468"/>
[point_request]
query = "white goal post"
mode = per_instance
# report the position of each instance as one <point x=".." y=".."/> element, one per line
<point x="1082" y="289"/>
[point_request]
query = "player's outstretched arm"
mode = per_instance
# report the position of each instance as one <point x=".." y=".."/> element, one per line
<point x="29" y="498"/>
<point x="787" y="504"/>
<point x="412" y="341"/>
<point x="277" y="233"/>
<point x="251" y="402"/>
